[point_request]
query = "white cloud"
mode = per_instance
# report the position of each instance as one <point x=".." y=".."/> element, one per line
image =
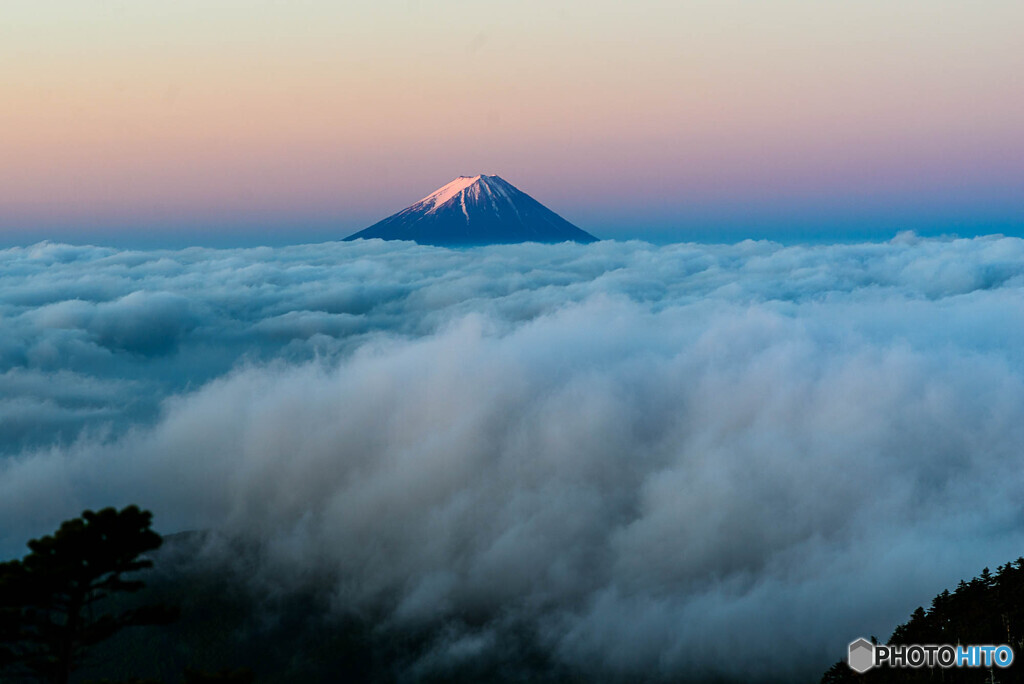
<point x="633" y="450"/>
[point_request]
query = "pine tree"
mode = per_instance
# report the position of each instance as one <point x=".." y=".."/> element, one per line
<point x="53" y="601"/>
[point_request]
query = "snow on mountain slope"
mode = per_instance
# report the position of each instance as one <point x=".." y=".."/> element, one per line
<point x="446" y="193"/>
<point x="476" y="210"/>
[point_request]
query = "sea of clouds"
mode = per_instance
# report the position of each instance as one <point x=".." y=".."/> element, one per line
<point x="662" y="461"/>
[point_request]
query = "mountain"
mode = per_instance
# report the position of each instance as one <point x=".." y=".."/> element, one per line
<point x="476" y="210"/>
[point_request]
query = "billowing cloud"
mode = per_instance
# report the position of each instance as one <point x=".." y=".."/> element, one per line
<point x="660" y="460"/>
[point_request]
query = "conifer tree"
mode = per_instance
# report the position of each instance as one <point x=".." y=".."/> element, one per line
<point x="55" y="602"/>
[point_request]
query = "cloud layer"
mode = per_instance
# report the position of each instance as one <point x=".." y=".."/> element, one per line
<point x="660" y="460"/>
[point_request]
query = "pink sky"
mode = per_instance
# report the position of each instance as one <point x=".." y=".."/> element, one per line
<point x="643" y="120"/>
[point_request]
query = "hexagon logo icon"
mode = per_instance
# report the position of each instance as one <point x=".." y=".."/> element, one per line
<point x="862" y="655"/>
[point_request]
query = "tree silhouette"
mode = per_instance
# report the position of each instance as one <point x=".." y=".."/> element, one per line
<point x="53" y="601"/>
<point x="989" y="609"/>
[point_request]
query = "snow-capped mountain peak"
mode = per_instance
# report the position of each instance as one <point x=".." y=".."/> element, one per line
<point x="476" y="210"/>
<point x="447" y="193"/>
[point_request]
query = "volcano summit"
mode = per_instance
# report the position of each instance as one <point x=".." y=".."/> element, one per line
<point x="476" y="210"/>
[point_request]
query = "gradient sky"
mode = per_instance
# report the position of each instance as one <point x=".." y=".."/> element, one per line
<point x="221" y="121"/>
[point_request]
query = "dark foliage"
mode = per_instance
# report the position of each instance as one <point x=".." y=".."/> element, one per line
<point x="989" y="609"/>
<point x="242" y="675"/>
<point x="55" y="602"/>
